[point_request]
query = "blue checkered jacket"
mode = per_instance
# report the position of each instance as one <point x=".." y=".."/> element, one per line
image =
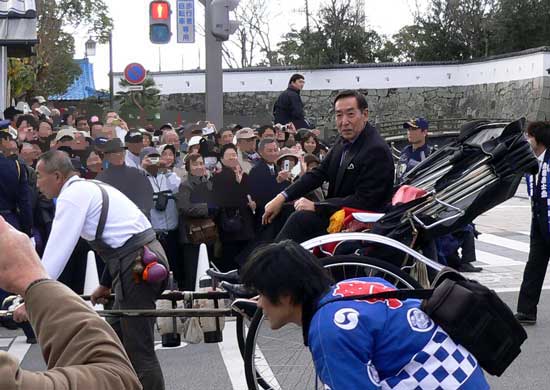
<point x="385" y="344"/>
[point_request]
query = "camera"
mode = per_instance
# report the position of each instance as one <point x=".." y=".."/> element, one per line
<point x="154" y="160"/>
<point x="286" y="165"/>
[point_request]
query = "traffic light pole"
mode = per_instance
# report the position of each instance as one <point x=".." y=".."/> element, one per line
<point x="214" y="72"/>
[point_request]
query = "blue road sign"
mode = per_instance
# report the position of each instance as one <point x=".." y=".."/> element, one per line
<point x="135" y="73"/>
<point x="185" y="16"/>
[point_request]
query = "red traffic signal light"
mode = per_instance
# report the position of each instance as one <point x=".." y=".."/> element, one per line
<point x="160" y="10"/>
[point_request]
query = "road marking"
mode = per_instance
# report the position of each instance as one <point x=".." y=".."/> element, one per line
<point x="19" y="348"/>
<point x="4" y="343"/>
<point x="514" y="289"/>
<point x="506" y="206"/>
<point x="229" y="349"/>
<point x="159" y="347"/>
<point x="504" y="242"/>
<point x="493" y="260"/>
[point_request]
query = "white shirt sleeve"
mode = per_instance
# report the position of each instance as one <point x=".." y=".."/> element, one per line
<point x="66" y="229"/>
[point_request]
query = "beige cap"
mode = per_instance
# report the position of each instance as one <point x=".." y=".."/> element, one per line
<point x="245" y="133"/>
<point x="65" y="132"/>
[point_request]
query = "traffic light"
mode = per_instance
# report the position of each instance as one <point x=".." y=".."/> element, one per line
<point x="160" y="30"/>
<point x="222" y="26"/>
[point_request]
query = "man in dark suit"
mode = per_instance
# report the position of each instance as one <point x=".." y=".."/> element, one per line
<point x="359" y="170"/>
<point x="538" y="187"/>
<point x="265" y="180"/>
<point x="289" y="107"/>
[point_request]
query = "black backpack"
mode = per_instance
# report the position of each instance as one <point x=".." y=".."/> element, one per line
<point x="472" y="314"/>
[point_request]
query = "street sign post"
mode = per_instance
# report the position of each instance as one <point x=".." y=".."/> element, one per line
<point x="186" y="21"/>
<point x="135" y="73"/>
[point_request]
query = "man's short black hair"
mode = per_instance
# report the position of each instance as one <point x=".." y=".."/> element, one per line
<point x="81" y="118"/>
<point x="540" y="131"/>
<point x="261" y="130"/>
<point x="295" y="77"/>
<point x="361" y="100"/>
<point x="30" y="119"/>
<point x="286" y="268"/>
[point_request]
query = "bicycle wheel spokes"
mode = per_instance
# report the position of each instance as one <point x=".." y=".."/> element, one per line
<point x="281" y="360"/>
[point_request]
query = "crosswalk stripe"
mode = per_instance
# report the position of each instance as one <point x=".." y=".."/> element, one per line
<point x="19" y="348"/>
<point x="232" y="359"/>
<point x="504" y="242"/>
<point x="493" y="260"/>
<point x="4" y="343"/>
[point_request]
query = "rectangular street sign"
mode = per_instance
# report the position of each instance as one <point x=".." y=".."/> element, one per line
<point x="135" y="88"/>
<point x="185" y="15"/>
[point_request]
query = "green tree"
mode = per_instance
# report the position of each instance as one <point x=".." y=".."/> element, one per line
<point x="143" y="104"/>
<point x="521" y="25"/>
<point x="339" y="36"/>
<point x="53" y="66"/>
<point x="450" y="30"/>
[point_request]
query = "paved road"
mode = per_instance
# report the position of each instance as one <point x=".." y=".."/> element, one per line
<point x="501" y="250"/>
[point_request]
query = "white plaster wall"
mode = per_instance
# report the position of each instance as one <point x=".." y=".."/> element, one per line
<point x="494" y="71"/>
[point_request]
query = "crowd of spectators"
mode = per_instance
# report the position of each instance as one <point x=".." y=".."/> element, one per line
<point x="183" y="178"/>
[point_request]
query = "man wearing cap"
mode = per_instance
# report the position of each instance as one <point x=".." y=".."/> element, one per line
<point x="65" y="136"/>
<point x="15" y="193"/>
<point x="359" y="170"/>
<point x="11" y="114"/>
<point x="246" y="145"/>
<point x="417" y="150"/>
<point x="164" y="215"/>
<point x="289" y="107"/>
<point x="118" y="231"/>
<point x="134" y="145"/>
<point x="412" y="155"/>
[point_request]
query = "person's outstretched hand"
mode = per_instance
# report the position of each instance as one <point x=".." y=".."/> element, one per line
<point x="272" y="209"/>
<point x="19" y="262"/>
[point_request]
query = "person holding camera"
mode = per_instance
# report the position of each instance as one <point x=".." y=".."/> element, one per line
<point x="164" y="214"/>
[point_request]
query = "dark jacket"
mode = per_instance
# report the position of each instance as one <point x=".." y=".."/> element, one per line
<point x="363" y="180"/>
<point x="231" y="198"/>
<point x="192" y="201"/>
<point x="15" y="194"/>
<point x="289" y="108"/>
<point x="263" y="186"/>
<point x="540" y="204"/>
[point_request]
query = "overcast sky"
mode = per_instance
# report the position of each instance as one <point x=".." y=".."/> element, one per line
<point x="131" y="33"/>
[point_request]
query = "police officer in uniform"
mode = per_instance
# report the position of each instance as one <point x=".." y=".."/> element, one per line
<point x="538" y="134"/>
<point x="15" y="194"/>
<point x="412" y="155"/>
<point x="417" y="150"/>
<point x="118" y="231"/>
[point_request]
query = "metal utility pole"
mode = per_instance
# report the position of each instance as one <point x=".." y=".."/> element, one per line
<point x="111" y="76"/>
<point x="3" y="78"/>
<point x="214" y="72"/>
<point x="307" y="17"/>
